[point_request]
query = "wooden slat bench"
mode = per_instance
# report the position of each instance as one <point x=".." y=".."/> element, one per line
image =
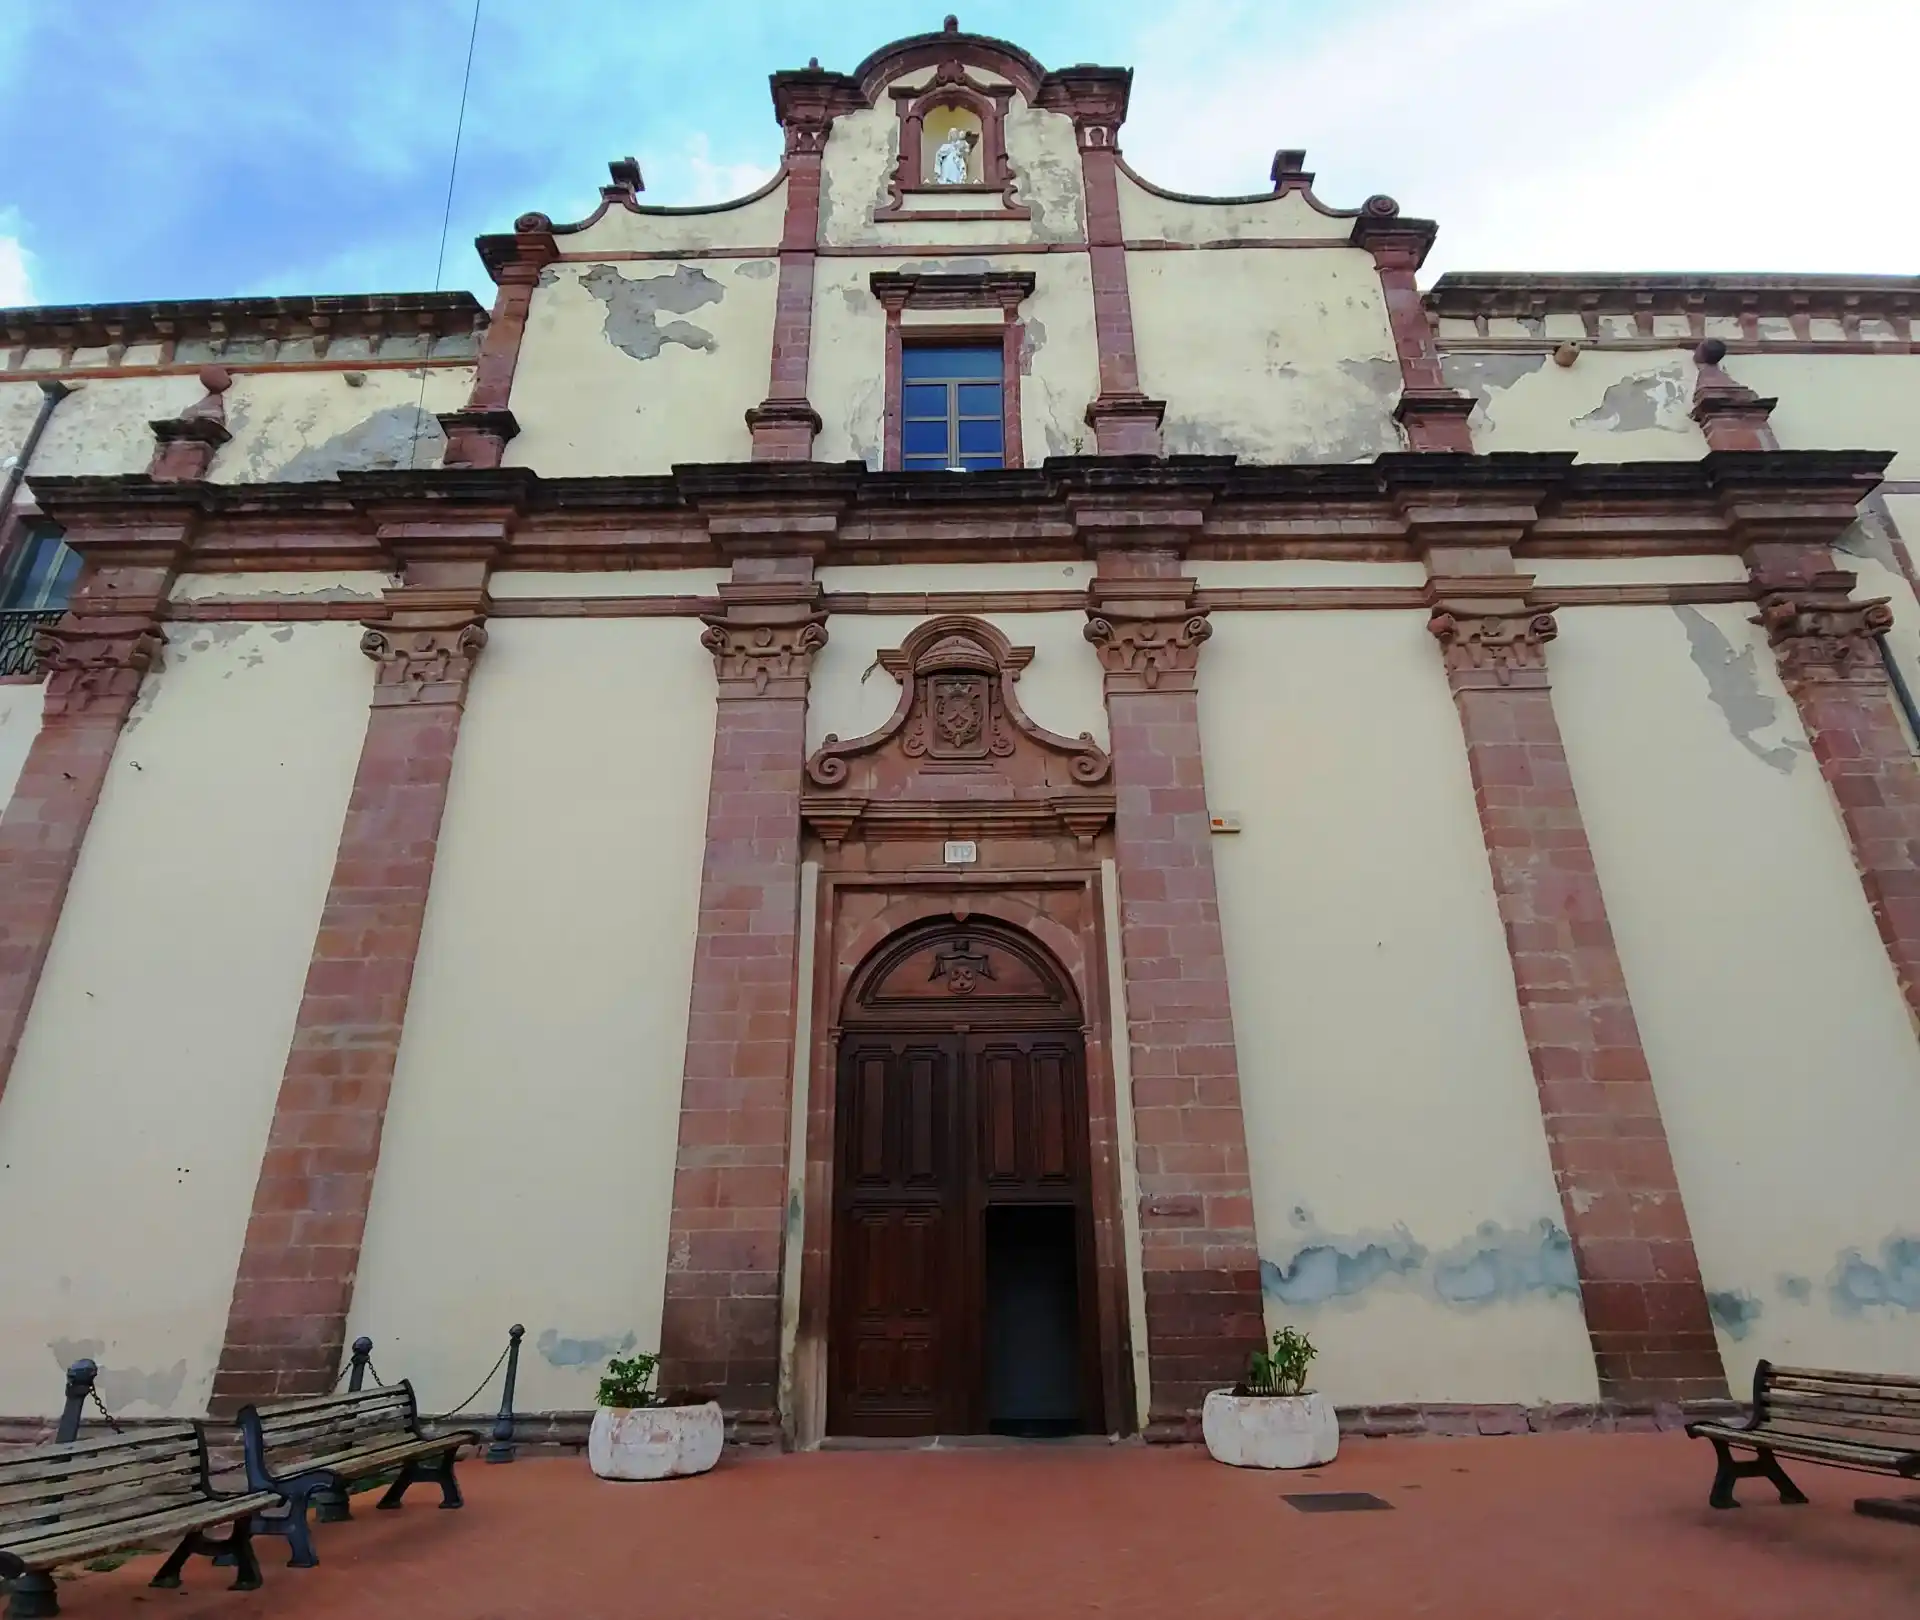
<point x="321" y="1444"/>
<point x="1864" y="1421"/>
<point x="82" y="1498"/>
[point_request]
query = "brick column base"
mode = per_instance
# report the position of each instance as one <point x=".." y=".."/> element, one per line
<point x="1200" y="1260"/>
<point x="1640" y="1285"/>
<point x="286" y="1324"/>
<point x="720" y="1325"/>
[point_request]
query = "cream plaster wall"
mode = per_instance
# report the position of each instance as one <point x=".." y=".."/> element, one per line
<point x="1867" y="548"/>
<point x="101" y="427"/>
<point x="333" y="585"/>
<point x="659" y="367"/>
<point x="1229" y="574"/>
<point x="752" y="223"/>
<point x="297" y="426"/>
<point x="1705" y="569"/>
<point x="132" y="1128"/>
<point x="19" y="725"/>
<point x="1150" y="216"/>
<point x="526" y="1173"/>
<point x="1060" y="369"/>
<point x="1610" y="405"/>
<point x="1781" y="1050"/>
<point x="1270" y="354"/>
<point x="851" y="695"/>
<point x="1402" y="1194"/>
<point x="1011" y="576"/>
<point x="1841" y="401"/>
<point x="864" y="147"/>
<point x="618" y="582"/>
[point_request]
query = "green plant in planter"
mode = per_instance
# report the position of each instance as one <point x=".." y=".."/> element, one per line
<point x="1282" y="1369"/>
<point x="628" y="1382"/>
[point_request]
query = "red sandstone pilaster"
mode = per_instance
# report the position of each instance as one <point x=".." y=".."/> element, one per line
<point x="720" y="1329"/>
<point x="1200" y="1262"/>
<point x="1434" y="415"/>
<point x="478" y="436"/>
<point x="287" y="1321"/>
<point x="1730" y="414"/>
<point x="1640" y="1285"/>
<point x="806" y="102"/>
<point x="185" y="445"/>
<point x="1124" y="421"/>
<point x="94" y="659"/>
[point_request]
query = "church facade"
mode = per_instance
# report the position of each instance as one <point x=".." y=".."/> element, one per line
<point x="949" y="791"/>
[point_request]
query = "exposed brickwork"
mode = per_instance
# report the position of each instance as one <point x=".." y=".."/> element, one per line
<point x="720" y="1330"/>
<point x="478" y="436"/>
<point x="1731" y="415"/>
<point x="1200" y="1262"/>
<point x="286" y="1325"/>
<point x="95" y="659"/>
<point x="1640" y="1285"/>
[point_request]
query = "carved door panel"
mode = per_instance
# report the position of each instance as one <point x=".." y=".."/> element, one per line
<point x="897" y="1360"/>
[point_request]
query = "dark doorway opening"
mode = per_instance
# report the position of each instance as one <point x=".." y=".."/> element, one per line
<point x="1033" y="1322"/>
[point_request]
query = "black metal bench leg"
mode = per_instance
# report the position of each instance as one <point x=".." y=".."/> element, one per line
<point x="450" y="1496"/>
<point x="299" y="1537"/>
<point x="246" y="1560"/>
<point x="169" y="1572"/>
<point x="1724" y="1476"/>
<point x="34" y="1597"/>
<point x="332" y="1507"/>
<point x="408" y="1475"/>
<point x="1790" y="1493"/>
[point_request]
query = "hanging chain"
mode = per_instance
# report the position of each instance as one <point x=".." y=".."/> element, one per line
<point x="442" y="1418"/>
<point x="101" y="1406"/>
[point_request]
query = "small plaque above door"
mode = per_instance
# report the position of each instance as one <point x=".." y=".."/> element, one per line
<point x="961" y="852"/>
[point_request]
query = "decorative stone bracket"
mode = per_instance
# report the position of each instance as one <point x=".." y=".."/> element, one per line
<point x="1488" y="633"/>
<point x="763" y="637"/>
<point x="1147" y="632"/>
<point x="1819" y="633"/>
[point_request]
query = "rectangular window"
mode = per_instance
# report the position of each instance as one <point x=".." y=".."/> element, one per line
<point x="40" y="578"/>
<point x="951" y="411"/>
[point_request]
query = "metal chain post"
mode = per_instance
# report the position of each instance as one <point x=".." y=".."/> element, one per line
<point x="502" y="1449"/>
<point x="80" y="1377"/>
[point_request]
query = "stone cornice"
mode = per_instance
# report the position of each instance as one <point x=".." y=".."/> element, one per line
<point x="842" y="512"/>
<point x="1473" y="295"/>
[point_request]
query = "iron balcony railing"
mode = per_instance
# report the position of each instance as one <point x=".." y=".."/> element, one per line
<point x="18" y="655"/>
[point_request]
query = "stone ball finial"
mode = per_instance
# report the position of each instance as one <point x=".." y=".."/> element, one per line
<point x="1380" y="206"/>
<point x="532" y="222"/>
<point x="952" y="24"/>
<point x="215" y="379"/>
<point x="1711" y="352"/>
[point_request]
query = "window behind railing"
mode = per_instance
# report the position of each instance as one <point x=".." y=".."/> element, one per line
<point x="34" y="591"/>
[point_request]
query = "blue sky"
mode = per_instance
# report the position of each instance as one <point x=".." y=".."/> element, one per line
<point x="158" y="149"/>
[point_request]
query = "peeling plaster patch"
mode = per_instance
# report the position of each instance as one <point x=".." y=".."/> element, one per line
<point x="864" y="416"/>
<point x="1872" y="534"/>
<point x="122" y="1387"/>
<point x="1733" y="684"/>
<point x="1484" y="375"/>
<point x="793" y="1211"/>
<point x="1032" y="340"/>
<point x="858" y="300"/>
<point x="560" y="1352"/>
<point x="946" y="267"/>
<point x="1856" y="1283"/>
<point x="1340" y="1267"/>
<point x="755" y="269"/>
<point x="1499" y="1263"/>
<point x="634" y="307"/>
<point x="1734" y="1310"/>
<point x="1798" y="1289"/>
<point x="1647" y="399"/>
<point x="1381" y="377"/>
<point x="384" y="442"/>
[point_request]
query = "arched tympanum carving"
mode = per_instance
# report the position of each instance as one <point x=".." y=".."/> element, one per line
<point x="958" y="755"/>
<point x="980" y="970"/>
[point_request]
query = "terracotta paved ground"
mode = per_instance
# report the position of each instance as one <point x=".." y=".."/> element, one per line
<point x="1546" y="1527"/>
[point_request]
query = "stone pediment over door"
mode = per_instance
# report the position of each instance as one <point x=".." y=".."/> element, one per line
<point x="958" y="758"/>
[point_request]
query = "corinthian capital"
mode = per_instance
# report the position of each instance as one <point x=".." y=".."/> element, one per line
<point x="763" y="637"/>
<point x="96" y="664"/>
<point x="1148" y="633"/>
<point x="423" y="664"/>
<point x="1818" y="633"/>
<point x="1494" y="648"/>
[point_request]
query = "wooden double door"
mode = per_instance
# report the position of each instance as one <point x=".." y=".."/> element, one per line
<point x="963" y="1283"/>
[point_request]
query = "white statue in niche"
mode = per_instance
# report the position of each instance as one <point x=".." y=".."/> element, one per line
<point x="952" y="158"/>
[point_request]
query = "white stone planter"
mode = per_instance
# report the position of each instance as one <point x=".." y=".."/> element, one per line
<point x="655" y="1442"/>
<point x="1270" y="1431"/>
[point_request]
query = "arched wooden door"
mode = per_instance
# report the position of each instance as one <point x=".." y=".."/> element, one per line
<point x="963" y="1287"/>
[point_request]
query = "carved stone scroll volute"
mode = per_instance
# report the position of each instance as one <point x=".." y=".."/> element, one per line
<point x="958" y="756"/>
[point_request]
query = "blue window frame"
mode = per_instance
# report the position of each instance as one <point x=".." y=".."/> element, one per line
<point x="952" y="414"/>
<point x="41" y="575"/>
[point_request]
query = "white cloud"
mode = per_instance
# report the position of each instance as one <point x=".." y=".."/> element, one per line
<point x="691" y="177"/>
<point x="1763" y="135"/>
<point x="16" y="286"/>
